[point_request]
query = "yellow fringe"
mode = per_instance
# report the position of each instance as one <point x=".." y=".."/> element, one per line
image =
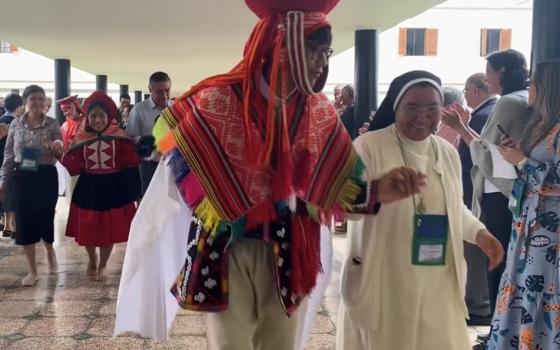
<point x="348" y="194"/>
<point x="209" y="216"/>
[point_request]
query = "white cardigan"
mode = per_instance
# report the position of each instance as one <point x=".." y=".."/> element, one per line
<point x="368" y="234"/>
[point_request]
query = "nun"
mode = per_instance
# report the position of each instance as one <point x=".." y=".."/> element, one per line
<point x="403" y="279"/>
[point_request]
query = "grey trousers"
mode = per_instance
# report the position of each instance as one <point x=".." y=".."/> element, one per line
<point x="476" y="296"/>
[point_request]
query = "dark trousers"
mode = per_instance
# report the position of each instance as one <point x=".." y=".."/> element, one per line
<point x="147" y="170"/>
<point x="476" y="294"/>
<point x="498" y="220"/>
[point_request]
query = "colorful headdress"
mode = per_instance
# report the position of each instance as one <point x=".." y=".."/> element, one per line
<point x="85" y="133"/>
<point x="71" y="100"/>
<point x="277" y="39"/>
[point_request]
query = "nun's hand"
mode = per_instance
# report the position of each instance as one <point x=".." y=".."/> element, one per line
<point x="400" y="183"/>
<point x="491" y="247"/>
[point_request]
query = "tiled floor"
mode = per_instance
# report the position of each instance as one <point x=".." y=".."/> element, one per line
<point x="68" y="310"/>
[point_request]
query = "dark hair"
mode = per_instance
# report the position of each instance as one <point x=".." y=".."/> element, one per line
<point x="32" y="89"/>
<point x="349" y="90"/>
<point x="451" y="95"/>
<point x="124" y="96"/>
<point x="512" y="67"/>
<point x="12" y="102"/>
<point x="158" y="77"/>
<point x="322" y="36"/>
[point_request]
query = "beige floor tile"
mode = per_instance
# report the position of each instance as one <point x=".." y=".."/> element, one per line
<point x="44" y="343"/>
<point x="109" y="308"/>
<point x="67" y="308"/>
<point x="181" y="343"/>
<point x="320" y="342"/>
<point x="20" y="308"/>
<point x="188" y="325"/>
<point x="118" y="343"/>
<point x="56" y="326"/>
<point x="11" y="325"/>
<point x="323" y="325"/>
<point x="102" y="327"/>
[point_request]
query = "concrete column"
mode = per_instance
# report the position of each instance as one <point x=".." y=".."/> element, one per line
<point x="546" y="31"/>
<point x="61" y="85"/>
<point x="101" y="83"/>
<point x="365" y="75"/>
<point x="123" y="89"/>
<point x="137" y="96"/>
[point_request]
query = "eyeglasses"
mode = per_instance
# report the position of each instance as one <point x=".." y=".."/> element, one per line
<point x="318" y="52"/>
<point x="412" y="110"/>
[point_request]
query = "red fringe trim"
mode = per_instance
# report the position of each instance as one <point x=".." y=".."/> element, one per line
<point x="306" y="254"/>
<point x="260" y="215"/>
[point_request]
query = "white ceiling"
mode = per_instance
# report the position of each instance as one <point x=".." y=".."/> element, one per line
<point x="190" y="39"/>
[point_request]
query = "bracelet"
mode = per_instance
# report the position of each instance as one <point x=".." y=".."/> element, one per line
<point x="522" y="162"/>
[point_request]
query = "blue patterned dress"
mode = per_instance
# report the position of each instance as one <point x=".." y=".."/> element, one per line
<point x="527" y="314"/>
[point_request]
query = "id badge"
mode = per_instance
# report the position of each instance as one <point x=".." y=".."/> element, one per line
<point x="516" y="197"/>
<point x="30" y="159"/>
<point x="429" y="245"/>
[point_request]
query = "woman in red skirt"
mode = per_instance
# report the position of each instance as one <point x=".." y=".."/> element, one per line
<point x="103" y="202"/>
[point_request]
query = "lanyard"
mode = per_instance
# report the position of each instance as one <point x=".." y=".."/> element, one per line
<point x="421" y="207"/>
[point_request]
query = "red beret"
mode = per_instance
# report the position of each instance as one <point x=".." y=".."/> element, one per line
<point x="270" y="8"/>
<point x="67" y="100"/>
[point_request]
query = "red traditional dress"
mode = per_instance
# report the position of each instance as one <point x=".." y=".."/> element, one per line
<point x="103" y="201"/>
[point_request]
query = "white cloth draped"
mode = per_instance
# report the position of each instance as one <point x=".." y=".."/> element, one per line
<point x="155" y="254"/>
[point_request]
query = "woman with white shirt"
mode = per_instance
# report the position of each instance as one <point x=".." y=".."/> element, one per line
<point x="33" y="146"/>
<point x="402" y="284"/>
<point x="507" y="75"/>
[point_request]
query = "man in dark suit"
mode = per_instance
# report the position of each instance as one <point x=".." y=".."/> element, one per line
<point x="482" y="102"/>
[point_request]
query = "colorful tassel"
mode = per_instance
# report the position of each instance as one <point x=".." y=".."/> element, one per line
<point x="208" y="215"/>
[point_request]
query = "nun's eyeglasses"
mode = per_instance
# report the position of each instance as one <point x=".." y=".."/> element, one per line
<point x="411" y="110"/>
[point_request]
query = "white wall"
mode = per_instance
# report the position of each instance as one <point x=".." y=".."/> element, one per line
<point x="24" y="67"/>
<point x="458" y="43"/>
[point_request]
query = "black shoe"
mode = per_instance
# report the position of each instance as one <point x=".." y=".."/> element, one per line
<point x="476" y="320"/>
<point x="6" y="234"/>
<point x="479" y="346"/>
<point x="483" y="338"/>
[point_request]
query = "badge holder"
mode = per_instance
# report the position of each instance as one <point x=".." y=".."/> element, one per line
<point x="515" y="200"/>
<point x="429" y="244"/>
<point x="30" y="159"/>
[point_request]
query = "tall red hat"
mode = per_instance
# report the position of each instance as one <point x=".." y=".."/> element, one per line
<point x="271" y="8"/>
<point x="280" y="32"/>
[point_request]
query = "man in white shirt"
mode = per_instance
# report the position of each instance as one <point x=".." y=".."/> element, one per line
<point x="142" y="119"/>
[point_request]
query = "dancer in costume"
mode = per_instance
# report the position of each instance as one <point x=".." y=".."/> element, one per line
<point x="74" y="114"/>
<point x="102" y="205"/>
<point x="256" y="162"/>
